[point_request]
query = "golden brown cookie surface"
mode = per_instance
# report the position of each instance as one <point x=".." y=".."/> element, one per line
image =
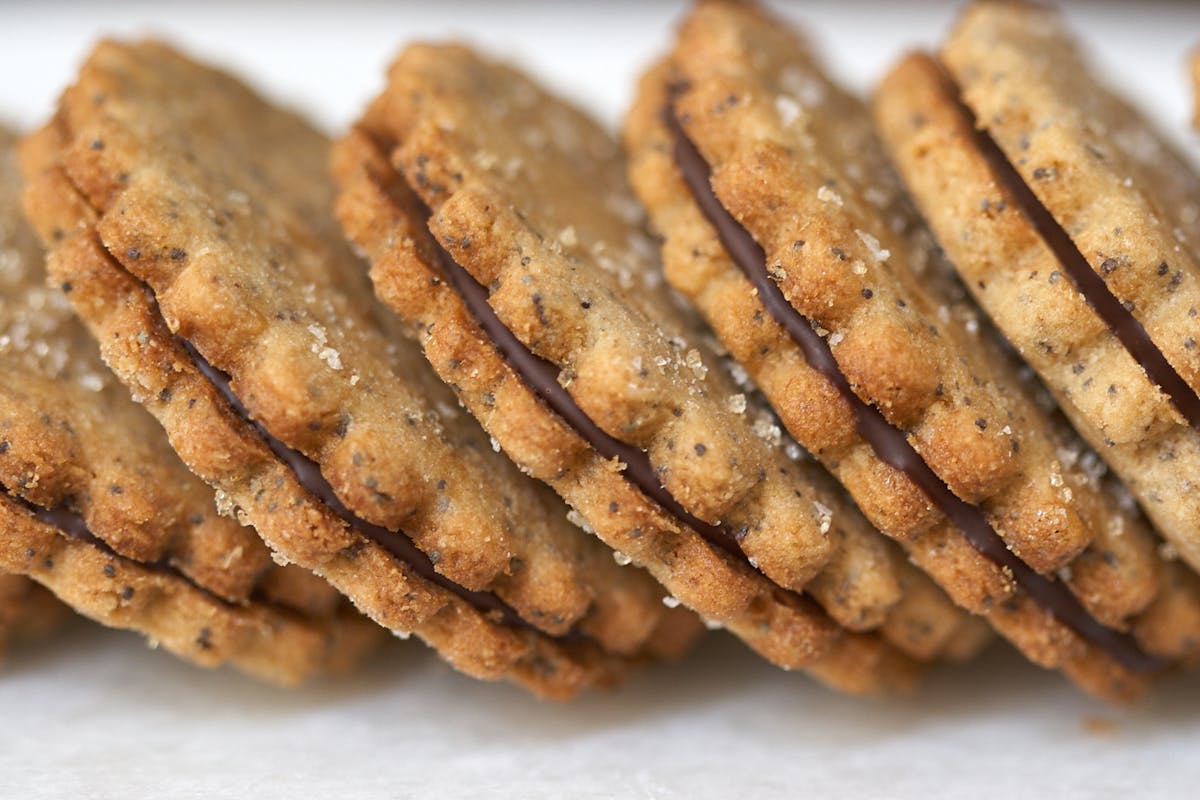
<point x="795" y="163"/>
<point x="69" y="431"/>
<point x="1122" y="193"/>
<point x="202" y="237"/>
<point x="540" y="303"/>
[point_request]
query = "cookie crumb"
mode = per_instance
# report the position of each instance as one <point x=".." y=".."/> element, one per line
<point x="825" y="515"/>
<point x="765" y="428"/>
<point x="788" y="109"/>
<point x="827" y="195"/>
<point x="880" y="254"/>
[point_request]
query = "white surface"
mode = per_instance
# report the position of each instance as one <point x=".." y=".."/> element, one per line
<point x="96" y="715"/>
<point x="99" y="716"/>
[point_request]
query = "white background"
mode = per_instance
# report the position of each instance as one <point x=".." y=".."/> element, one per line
<point x="95" y="714"/>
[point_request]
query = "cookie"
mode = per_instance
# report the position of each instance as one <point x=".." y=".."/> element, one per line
<point x="190" y="219"/>
<point x="1011" y="257"/>
<point x="500" y="228"/>
<point x="95" y="506"/>
<point x="786" y="227"/>
<point x="1106" y="206"/>
<point x="27" y="611"/>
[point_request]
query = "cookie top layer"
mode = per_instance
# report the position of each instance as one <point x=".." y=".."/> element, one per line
<point x="1124" y="195"/>
<point x="780" y="136"/>
<point x="203" y="227"/>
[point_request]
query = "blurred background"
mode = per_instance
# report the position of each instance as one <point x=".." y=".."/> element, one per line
<point x="328" y="59"/>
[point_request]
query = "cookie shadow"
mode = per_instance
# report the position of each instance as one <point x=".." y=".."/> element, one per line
<point x="723" y="680"/>
<point x="122" y="665"/>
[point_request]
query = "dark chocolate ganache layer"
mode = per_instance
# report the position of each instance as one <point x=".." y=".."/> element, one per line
<point x="73" y="525"/>
<point x="1119" y="319"/>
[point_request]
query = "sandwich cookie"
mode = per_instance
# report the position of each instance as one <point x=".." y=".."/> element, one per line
<point x="500" y="227"/>
<point x="1026" y="271"/>
<point x="192" y="221"/>
<point x="95" y="506"/>
<point x="1097" y="278"/>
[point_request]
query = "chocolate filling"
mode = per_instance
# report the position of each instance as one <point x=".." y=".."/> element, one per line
<point x="308" y="473"/>
<point x="888" y="442"/>
<point x="541" y="376"/>
<point x="62" y="518"/>
<point x="1087" y="282"/>
<point x="72" y="524"/>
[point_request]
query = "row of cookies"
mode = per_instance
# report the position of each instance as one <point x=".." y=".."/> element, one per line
<point x="372" y="424"/>
<point x="197" y="244"/>
<point x="487" y="569"/>
<point x="189" y="224"/>
<point x="875" y="363"/>
<point x="786" y="224"/>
